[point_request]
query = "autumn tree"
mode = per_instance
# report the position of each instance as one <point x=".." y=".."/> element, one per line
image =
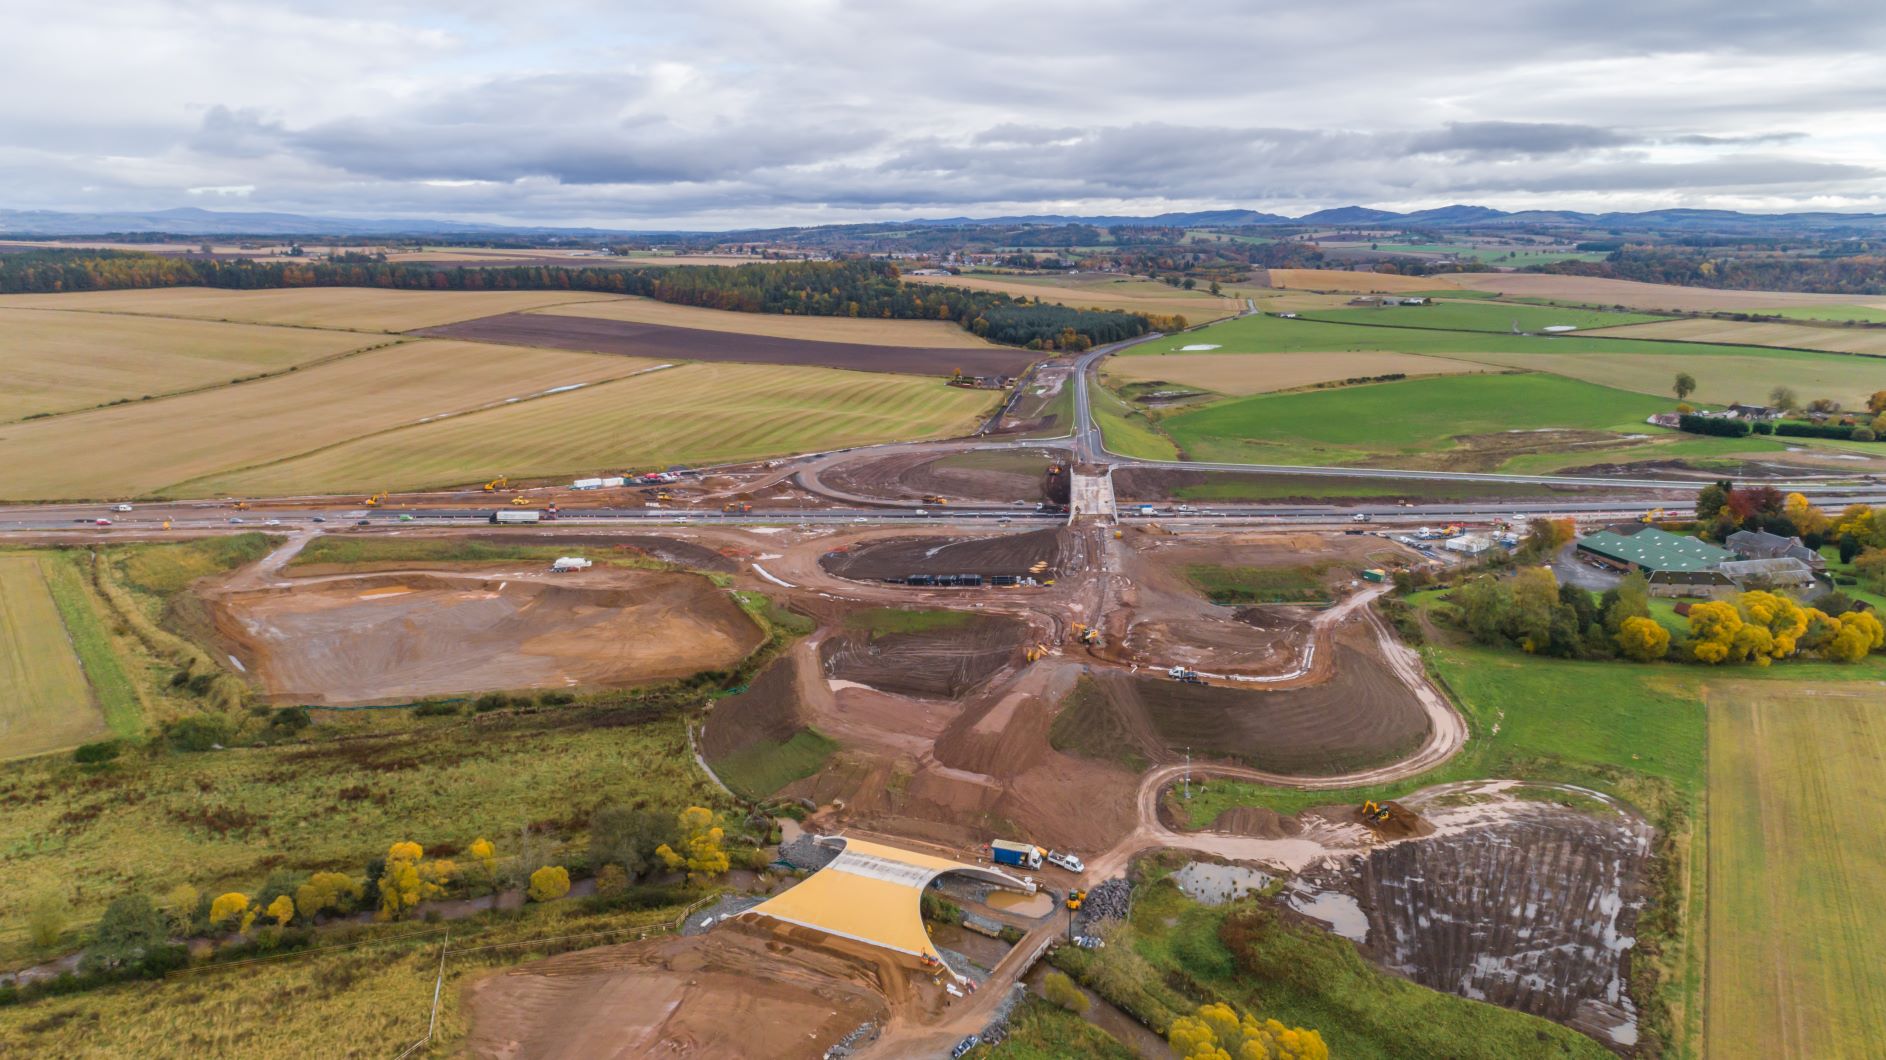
<point x="326" y="891"/>
<point x="232" y="911"/>
<point x="1219" y="1032"/>
<point x="1808" y="520"/>
<point x="1684" y="386"/>
<point x="46" y="920"/>
<point x="180" y="904"/>
<point x="701" y="851"/>
<point x="1784" y="399"/>
<point x="1643" y="639"/>
<point x="1855" y="635"/>
<point x="549" y="883"/>
<point x="410" y="878"/>
<point x="621" y="835"/>
<point x="484" y="853"/>
<point x="1876" y="404"/>
<point x="281" y="910"/>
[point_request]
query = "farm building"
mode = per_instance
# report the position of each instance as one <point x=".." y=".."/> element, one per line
<point x="1469" y="544"/>
<point x="1740" y="411"/>
<point x="1784" y="573"/>
<point x="1757" y="544"/>
<point x="1675" y="565"/>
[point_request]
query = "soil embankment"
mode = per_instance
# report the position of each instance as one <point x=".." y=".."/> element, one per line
<point x="946" y="662"/>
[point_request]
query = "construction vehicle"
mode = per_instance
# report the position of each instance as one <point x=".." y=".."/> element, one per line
<point x="1185" y="675"/>
<point x="1074" y="899"/>
<point x="1374" y="812"/>
<point x="241" y="506"/>
<point x="1035" y="652"/>
<point x="664" y="495"/>
<point x="496" y="484"/>
<point x="1652" y="516"/>
<point x="1085" y="634"/>
<point x="736" y="506"/>
<point x="374" y="501"/>
<point x="521" y="502"/>
<point x="931" y="498"/>
<point x="1389" y="815"/>
<point x="166" y="524"/>
<point x="516" y="517"/>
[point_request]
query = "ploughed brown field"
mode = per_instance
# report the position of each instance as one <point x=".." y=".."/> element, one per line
<point x="690" y="344"/>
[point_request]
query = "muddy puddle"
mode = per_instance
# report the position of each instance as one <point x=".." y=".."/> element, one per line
<point x="1029" y="905"/>
<point x="1340" y="912"/>
<point x="1215" y="884"/>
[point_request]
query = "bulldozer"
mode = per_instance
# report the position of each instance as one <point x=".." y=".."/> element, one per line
<point x="932" y="498"/>
<point x="496" y="484"/>
<point x="520" y="502"/>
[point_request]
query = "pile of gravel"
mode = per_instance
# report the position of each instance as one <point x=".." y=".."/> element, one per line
<point x="1109" y="900"/>
<point x="866" y="1033"/>
<point x="806" y="853"/>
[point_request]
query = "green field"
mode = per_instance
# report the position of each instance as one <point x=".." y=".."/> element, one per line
<point x="1230" y="486"/>
<point x="1126" y="430"/>
<point x="1417" y="417"/>
<point x="1722" y="375"/>
<point x="763" y="767"/>
<point x="45" y="701"/>
<point x="1234" y="586"/>
<point x="698" y="414"/>
<point x="1797" y="872"/>
<point x="1478" y="316"/>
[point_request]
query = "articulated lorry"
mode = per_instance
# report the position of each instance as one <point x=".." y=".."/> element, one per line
<point x="517" y="517"/>
<point x="1021" y="855"/>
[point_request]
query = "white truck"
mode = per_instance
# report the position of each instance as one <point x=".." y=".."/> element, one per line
<point x="507" y="517"/>
<point x="1360" y="517"/>
<point x="566" y="564"/>
<point x="1067" y="861"/>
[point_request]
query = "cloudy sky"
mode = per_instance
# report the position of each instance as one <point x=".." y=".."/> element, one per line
<point x="711" y="114"/>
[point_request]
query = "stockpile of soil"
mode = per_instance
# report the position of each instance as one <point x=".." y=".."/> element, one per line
<point x="662" y="342"/>
<point x="1362" y="716"/>
<point x="944" y="663"/>
<point x="396" y="637"/>
<point x="910" y="476"/>
<point x="901" y="557"/>
<point x="1534" y="911"/>
<point x="768" y="711"/>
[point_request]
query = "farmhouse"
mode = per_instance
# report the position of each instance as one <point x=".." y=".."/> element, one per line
<point x="1785" y="572"/>
<point x="1757" y="544"/>
<point x="1739" y="411"/>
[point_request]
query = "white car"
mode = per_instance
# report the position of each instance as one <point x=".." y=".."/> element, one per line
<point x="1067" y="861"/>
<point x="271" y="522"/>
<point x="920" y="511"/>
<point x="121" y="507"/>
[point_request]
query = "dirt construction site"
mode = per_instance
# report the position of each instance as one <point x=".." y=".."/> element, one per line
<point x="1060" y="705"/>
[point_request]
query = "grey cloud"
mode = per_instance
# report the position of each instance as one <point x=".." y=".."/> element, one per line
<point x="1515" y="138"/>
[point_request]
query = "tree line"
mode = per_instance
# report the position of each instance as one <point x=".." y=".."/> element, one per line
<point x="1857" y="274"/>
<point x="847" y="288"/>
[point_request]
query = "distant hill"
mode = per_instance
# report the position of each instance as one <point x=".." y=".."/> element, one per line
<point x="192" y="222"/>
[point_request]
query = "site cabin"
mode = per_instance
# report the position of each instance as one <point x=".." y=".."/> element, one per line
<point x="517" y="517"/>
<point x="1007" y="852"/>
<point x="1375" y="574"/>
<point x="566" y="564"/>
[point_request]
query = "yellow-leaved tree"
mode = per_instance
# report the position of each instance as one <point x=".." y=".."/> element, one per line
<point x="549" y="883"/>
<point x="410" y="878"/>
<point x="1713" y="629"/>
<point x="1784" y="619"/>
<point x="1806" y="518"/>
<point x="1855" y="634"/>
<point x="701" y="852"/>
<point x="282" y="910"/>
<point x="232" y="910"/>
<point x="484" y="853"/>
<point x="1218" y="1032"/>
<point x="326" y="891"/>
<point x="1643" y="639"/>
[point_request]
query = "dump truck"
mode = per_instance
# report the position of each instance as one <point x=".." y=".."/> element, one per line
<point x="1021" y="855"/>
<point x="517" y="517"/>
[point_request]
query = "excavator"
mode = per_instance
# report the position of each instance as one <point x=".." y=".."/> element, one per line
<point x="374" y="501"/>
<point x="496" y="484"/>
<point x="1085" y="634"/>
<point x="1374" y="812"/>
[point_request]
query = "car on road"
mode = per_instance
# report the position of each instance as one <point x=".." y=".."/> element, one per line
<point x="235" y="520"/>
<point x="920" y="511"/>
<point x="965" y="1045"/>
<point x="319" y="519"/>
<point x="271" y="522"/>
<point x="1067" y="861"/>
<point x="101" y="522"/>
<point x="121" y="507"/>
<point x="405" y="518"/>
<point x="364" y="522"/>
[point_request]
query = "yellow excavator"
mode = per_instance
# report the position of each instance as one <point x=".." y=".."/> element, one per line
<point x="374" y="501"/>
<point x="1085" y="634"/>
<point x="496" y="484"/>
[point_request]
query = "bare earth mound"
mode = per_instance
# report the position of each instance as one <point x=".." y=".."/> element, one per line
<point x="721" y="994"/>
<point x="768" y="711"/>
<point x="1362" y="716"/>
<point x="942" y="662"/>
<point x="693" y="344"/>
<point x="389" y="638"/>
<point x="901" y="557"/>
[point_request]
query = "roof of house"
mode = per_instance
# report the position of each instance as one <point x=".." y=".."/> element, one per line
<point x="1654" y="549"/>
<point x="1759" y="544"/>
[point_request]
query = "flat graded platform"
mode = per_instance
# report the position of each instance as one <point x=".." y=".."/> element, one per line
<point x="395" y="637"/>
<point x="693" y="344"/>
<point x="722" y="994"/>
<point x="900" y="557"/>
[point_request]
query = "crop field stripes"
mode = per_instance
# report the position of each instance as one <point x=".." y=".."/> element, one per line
<point x="45" y="700"/>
